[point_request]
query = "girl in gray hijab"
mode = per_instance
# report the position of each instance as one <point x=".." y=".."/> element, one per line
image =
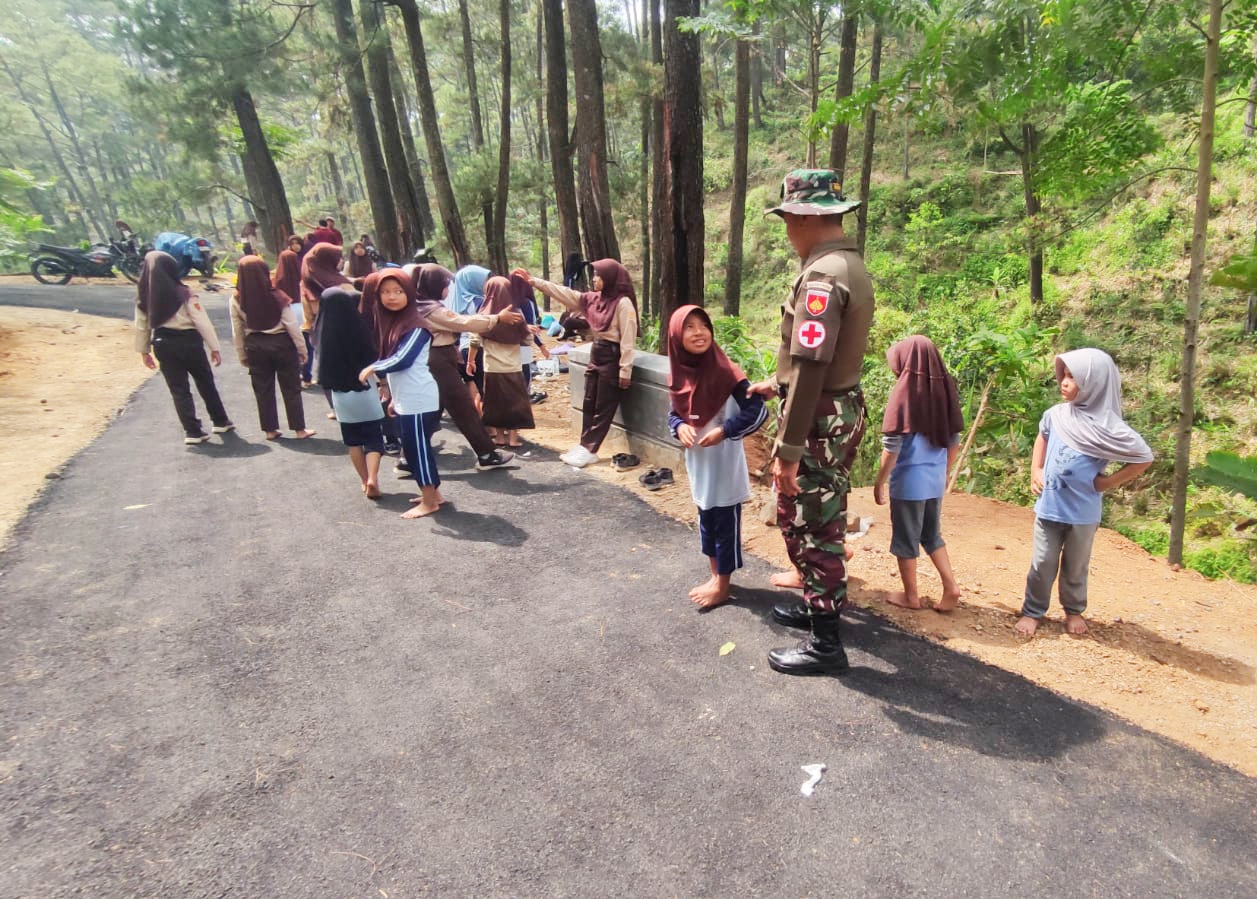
<point x="1077" y="440"/>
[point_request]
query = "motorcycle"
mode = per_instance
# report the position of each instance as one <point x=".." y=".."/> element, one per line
<point x="190" y="252"/>
<point x="52" y="264"/>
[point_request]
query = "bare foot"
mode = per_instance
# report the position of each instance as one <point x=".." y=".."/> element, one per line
<point x="423" y="510"/>
<point x="948" y="602"/>
<point x="440" y="500"/>
<point x="1075" y="624"/>
<point x="709" y="595"/>
<point x="903" y="601"/>
<point x="705" y="586"/>
<point x="789" y="580"/>
<point x="1026" y="626"/>
<point x="305" y="433"/>
<point x="274" y="435"/>
<point x="371" y="489"/>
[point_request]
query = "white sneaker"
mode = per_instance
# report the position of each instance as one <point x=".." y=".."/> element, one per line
<point x="579" y="457"/>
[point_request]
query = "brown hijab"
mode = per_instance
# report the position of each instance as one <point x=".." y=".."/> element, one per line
<point x="924" y="399"/>
<point x="359" y="266"/>
<point x="599" y="306"/>
<point x="500" y="295"/>
<point x="261" y="302"/>
<point x="161" y="293"/>
<point x="700" y="385"/>
<point x="287" y="274"/>
<point x="390" y="326"/>
<point x="320" y="269"/>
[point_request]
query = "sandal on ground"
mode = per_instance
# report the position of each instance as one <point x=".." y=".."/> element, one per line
<point x="624" y="461"/>
<point x="655" y="479"/>
<point x="274" y="435"/>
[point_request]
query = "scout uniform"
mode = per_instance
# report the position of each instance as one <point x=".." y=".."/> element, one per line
<point x="824" y="333"/>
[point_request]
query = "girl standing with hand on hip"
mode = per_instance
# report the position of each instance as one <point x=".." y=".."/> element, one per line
<point x="172" y="325"/>
<point x="1077" y="440"/>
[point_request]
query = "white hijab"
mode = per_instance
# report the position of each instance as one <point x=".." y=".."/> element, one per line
<point x="1092" y="422"/>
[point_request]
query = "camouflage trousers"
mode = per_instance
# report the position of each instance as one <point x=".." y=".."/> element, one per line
<point x="814" y="523"/>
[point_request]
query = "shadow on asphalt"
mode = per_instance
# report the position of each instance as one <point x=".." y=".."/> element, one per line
<point x="233" y="446"/>
<point x="313" y="446"/>
<point x="943" y="696"/>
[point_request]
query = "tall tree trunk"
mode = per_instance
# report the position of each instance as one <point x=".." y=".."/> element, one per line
<point x="85" y="169"/>
<point x="591" y="132"/>
<point x="338" y="191"/>
<point x="815" y="34"/>
<point x="737" y="203"/>
<point x="266" y="188"/>
<point x="683" y="151"/>
<point x="1250" y="108"/>
<point x="757" y="78"/>
<point x="846" y="83"/>
<point x="870" y="137"/>
<point x="1034" y="250"/>
<point x="383" y="210"/>
<point x="477" y="126"/>
<point x="643" y="169"/>
<point x="557" y="128"/>
<point x="716" y="94"/>
<point x="451" y="221"/>
<point x="907" y="122"/>
<point x="497" y="249"/>
<point x="375" y="35"/>
<point x="539" y="142"/>
<point x="1195" y="280"/>
<point x="657" y="165"/>
<point x="413" y="161"/>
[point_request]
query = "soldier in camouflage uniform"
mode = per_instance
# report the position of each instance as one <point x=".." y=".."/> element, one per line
<point x="824" y="333"/>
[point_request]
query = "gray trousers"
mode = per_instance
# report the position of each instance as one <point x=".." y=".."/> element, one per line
<point x="1059" y="547"/>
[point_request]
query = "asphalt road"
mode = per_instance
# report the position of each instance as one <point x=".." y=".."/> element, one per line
<point x="225" y="673"/>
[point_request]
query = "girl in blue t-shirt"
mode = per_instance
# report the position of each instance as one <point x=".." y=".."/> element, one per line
<point x="1077" y="440"/>
<point x="920" y="429"/>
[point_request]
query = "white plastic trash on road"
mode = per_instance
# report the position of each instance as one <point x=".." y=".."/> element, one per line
<point x="814" y="773"/>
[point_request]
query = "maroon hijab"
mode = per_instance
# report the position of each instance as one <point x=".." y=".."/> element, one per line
<point x="161" y="293"/>
<point x="500" y="295"/>
<point x="261" y="302"/>
<point x="287" y="274"/>
<point x="599" y="306"/>
<point x="390" y="326"/>
<point x="359" y="266"/>
<point x="431" y="280"/>
<point x="924" y="399"/>
<point x="320" y="269"/>
<point x="700" y="385"/>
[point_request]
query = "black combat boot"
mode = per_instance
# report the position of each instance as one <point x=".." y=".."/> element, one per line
<point x="792" y="614"/>
<point x="820" y="653"/>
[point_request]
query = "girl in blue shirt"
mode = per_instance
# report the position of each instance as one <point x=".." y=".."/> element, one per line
<point x="1077" y="440"/>
<point x="403" y="338"/>
<point x="919" y="439"/>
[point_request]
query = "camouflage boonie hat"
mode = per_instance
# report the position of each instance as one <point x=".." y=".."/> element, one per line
<point x="813" y="192"/>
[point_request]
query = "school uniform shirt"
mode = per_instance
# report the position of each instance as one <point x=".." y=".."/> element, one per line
<point x="409" y="380"/>
<point x="356" y="406"/>
<point x="920" y="472"/>
<point x="449" y="327"/>
<point x="622" y="328"/>
<point x="499" y="358"/>
<point x="1069" y="495"/>
<point x="287" y="322"/>
<point x="718" y="474"/>
<point x="190" y="317"/>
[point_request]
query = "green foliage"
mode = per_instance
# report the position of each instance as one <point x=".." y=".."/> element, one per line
<point x="1239" y="273"/>
<point x="758" y="361"/>
<point x="1230" y="472"/>
<point x="17" y="224"/>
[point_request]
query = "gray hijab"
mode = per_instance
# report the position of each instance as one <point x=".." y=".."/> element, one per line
<point x="1092" y="423"/>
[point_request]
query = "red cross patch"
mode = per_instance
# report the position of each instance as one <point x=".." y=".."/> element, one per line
<point x="812" y="335"/>
<point x="817" y="301"/>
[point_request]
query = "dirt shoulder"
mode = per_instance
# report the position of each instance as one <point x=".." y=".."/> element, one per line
<point x="1172" y="652"/>
<point x="63" y="378"/>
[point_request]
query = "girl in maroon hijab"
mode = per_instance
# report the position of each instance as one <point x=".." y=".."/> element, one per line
<point x="287" y="277"/>
<point x="171" y="324"/>
<point x="711" y="412"/>
<point x="269" y="344"/>
<point x="611" y="310"/>
<point x="360" y="264"/>
<point x="320" y="269"/>
<point x="507" y="407"/>
<point x="920" y="431"/>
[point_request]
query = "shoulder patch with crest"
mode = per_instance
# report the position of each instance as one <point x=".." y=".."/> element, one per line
<point x="817" y="299"/>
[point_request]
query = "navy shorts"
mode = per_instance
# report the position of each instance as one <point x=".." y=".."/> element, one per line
<point x="367" y="434"/>
<point x="914" y="525"/>
<point x="720" y="528"/>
